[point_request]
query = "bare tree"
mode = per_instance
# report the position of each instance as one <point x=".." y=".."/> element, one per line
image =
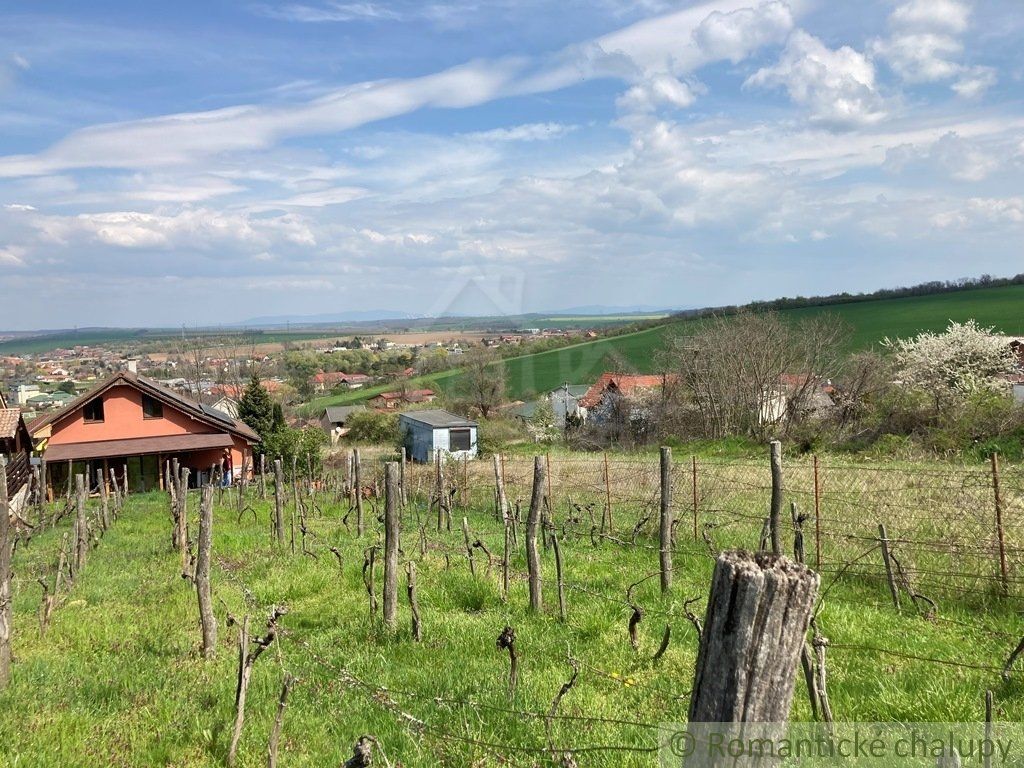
<point x="753" y="374"/>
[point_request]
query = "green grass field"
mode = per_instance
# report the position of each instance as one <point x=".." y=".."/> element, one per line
<point x="118" y="679"/>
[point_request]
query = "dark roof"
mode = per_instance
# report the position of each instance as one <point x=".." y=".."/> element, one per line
<point x="210" y="416"/>
<point x="340" y="413"/>
<point x="137" y="446"/>
<point x="436" y="417"/>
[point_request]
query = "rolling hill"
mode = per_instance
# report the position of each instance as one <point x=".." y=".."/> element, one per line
<point x="870" y="322"/>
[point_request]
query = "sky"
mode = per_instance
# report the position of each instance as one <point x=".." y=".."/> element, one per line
<point x="207" y="162"/>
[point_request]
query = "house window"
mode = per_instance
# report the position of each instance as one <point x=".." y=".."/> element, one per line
<point x="458" y="440"/>
<point x="152" y="408"/>
<point x="93" y="410"/>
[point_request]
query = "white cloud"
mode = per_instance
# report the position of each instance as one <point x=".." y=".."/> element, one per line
<point x="836" y="86"/>
<point x="19" y="207"/>
<point x="924" y="46"/>
<point x="12" y="255"/>
<point x="657" y="90"/>
<point x="197" y="228"/>
<point x="737" y="34"/>
<point x="20" y="61"/>
<point x="525" y="132"/>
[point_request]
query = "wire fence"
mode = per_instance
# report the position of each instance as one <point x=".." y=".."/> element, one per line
<point x="952" y="529"/>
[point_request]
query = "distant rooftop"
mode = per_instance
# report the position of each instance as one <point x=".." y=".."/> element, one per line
<point x="436" y="417"/>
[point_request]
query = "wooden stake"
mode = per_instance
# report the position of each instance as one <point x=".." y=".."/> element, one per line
<point x="499" y="488"/>
<point x="275" y="732"/>
<point x="532" y="524"/>
<point x="817" y="514"/>
<point x="81" y="525"/>
<point x="360" y="523"/>
<point x="695" y="497"/>
<point x="469" y="546"/>
<point x="889" y="576"/>
<point x="278" y="502"/>
<point x="776" y="509"/>
<point x="414" y="606"/>
<point x="392" y="522"/>
<point x="203" y="591"/>
<point x="607" y="526"/>
<point x="754" y="628"/>
<point x="1004" y="574"/>
<point x="665" y="529"/>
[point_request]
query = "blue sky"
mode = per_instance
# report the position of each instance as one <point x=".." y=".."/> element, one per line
<point x="207" y="162"/>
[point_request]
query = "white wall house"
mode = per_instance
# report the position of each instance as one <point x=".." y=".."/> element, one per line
<point x="425" y="433"/>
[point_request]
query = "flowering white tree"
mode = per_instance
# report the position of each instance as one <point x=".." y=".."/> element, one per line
<point x="966" y="359"/>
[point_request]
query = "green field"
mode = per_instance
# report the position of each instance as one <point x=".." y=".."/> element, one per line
<point x="118" y="679"/>
<point x="870" y="322"/>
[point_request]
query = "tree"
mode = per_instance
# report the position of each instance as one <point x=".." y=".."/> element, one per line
<point x="483" y="379"/>
<point x="67" y="387"/>
<point x="753" y="375"/>
<point x="256" y="408"/>
<point x="951" y="367"/>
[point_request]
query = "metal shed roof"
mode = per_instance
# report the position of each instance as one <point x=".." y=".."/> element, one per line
<point x="436" y="417"/>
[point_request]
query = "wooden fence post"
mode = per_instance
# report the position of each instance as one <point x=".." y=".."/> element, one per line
<point x="414" y="606"/>
<point x="695" y="497"/>
<point x="6" y="554"/>
<point x="776" y="509"/>
<point x="101" y="481"/>
<point x="754" y="629"/>
<point x="883" y="539"/>
<point x="278" y="502"/>
<point x="392" y="520"/>
<point x="817" y="514"/>
<point x="1004" y="574"/>
<point x="81" y="525"/>
<point x="203" y="592"/>
<point x="469" y="545"/>
<point x="532" y="524"/>
<point x="499" y="486"/>
<point x="607" y="497"/>
<point x="665" y="529"/>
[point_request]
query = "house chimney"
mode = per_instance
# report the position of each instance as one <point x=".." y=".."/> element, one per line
<point x="133" y="365"/>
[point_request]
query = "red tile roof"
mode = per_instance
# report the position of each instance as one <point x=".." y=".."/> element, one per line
<point x="625" y="384"/>
<point x="9" y="418"/>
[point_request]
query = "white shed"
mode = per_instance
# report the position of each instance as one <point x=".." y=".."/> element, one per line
<point x="425" y="433"/>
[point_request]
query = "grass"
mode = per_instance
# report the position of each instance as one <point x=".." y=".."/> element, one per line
<point x="118" y="680"/>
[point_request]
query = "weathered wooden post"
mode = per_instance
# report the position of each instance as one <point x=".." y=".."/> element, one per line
<point x="883" y="539"/>
<point x="776" y="510"/>
<point x="203" y="591"/>
<point x="817" y="513"/>
<point x="469" y="545"/>
<point x="696" y="498"/>
<point x="392" y="521"/>
<point x="665" y="529"/>
<point x="1004" y="574"/>
<point x="278" y="502"/>
<point x="499" y="489"/>
<point x="757" y="617"/>
<point x="414" y="606"/>
<point x="101" y="481"/>
<point x="532" y="524"/>
<point x="358" y="489"/>
<point x="81" y="525"/>
<point x="6" y="598"/>
<point x="263" y="476"/>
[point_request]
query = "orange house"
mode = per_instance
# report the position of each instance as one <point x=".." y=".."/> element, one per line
<point x="135" y="422"/>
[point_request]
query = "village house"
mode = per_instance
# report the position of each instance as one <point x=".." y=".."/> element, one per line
<point x="427" y="433"/>
<point x="16" y="449"/>
<point x="565" y="404"/>
<point x="135" y="422"/>
<point x="391" y="400"/>
<point x="612" y="388"/>
<point x="325" y="382"/>
<point x="334" y="420"/>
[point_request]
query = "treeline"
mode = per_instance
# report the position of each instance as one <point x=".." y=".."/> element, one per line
<point x="930" y="288"/>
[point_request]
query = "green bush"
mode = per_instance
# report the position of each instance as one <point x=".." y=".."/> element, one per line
<point x="373" y="427"/>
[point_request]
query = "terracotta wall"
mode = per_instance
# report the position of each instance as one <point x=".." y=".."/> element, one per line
<point x="123" y="419"/>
